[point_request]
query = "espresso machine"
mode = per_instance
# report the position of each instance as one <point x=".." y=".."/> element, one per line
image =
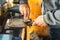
<point x="13" y="24"/>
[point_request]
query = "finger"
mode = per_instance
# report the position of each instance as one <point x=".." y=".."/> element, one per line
<point x="25" y="12"/>
<point x="37" y="22"/>
<point x="28" y="11"/>
<point x="33" y="23"/>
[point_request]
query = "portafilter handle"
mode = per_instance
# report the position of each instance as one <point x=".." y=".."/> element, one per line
<point x="28" y="22"/>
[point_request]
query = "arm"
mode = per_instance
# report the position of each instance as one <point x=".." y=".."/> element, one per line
<point x="50" y="17"/>
<point x="24" y="8"/>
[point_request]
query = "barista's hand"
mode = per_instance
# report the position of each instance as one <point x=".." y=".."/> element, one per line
<point x="24" y="9"/>
<point x="39" y="21"/>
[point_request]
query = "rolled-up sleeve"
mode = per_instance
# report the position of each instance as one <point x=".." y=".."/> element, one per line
<point x="49" y="17"/>
<point x="23" y="1"/>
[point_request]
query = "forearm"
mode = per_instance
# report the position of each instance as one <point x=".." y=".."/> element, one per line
<point x="52" y="19"/>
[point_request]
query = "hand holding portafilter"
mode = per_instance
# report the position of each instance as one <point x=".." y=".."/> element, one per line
<point x="24" y="9"/>
<point x="39" y="21"/>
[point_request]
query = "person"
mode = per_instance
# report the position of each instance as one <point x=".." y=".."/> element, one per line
<point x="24" y="9"/>
<point x="51" y="16"/>
<point x="51" y="13"/>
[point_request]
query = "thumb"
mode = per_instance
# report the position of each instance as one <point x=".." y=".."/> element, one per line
<point x="34" y="23"/>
